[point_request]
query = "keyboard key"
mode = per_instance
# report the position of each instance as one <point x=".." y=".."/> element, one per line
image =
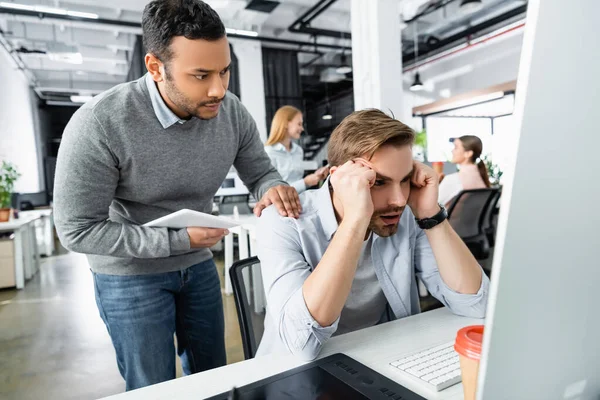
<point x="438" y="367"/>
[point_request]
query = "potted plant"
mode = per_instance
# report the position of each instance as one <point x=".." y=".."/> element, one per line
<point x="494" y="171"/>
<point x="420" y="146"/>
<point x="8" y="177"/>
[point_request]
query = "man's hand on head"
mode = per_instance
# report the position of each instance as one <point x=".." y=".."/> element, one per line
<point x="352" y="184"/>
<point x="423" y="199"/>
<point x="285" y="199"/>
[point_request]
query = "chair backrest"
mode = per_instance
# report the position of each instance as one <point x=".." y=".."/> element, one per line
<point x="228" y="203"/>
<point x="246" y="280"/>
<point x="488" y="219"/>
<point x="468" y="210"/>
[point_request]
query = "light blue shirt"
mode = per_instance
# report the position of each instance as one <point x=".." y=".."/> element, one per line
<point x="290" y="249"/>
<point x="164" y="114"/>
<point x="288" y="164"/>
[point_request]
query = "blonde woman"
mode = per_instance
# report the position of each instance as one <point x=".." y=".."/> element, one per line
<point x="286" y="156"/>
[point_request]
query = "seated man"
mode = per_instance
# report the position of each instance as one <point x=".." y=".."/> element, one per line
<point x="352" y="258"/>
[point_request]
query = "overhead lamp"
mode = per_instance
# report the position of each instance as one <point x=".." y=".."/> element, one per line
<point x="417" y="84"/>
<point x="470" y="6"/>
<point x="241" y="32"/>
<point x="344" y="68"/>
<point x="69" y="58"/>
<point x="48" y="10"/>
<point x="327" y="116"/>
<point x="81" y="99"/>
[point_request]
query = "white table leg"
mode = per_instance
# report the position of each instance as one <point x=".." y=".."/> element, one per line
<point x="27" y="251"/>
<point x="228" y="262"/>
<point x="19" y="267"/>
<point x="49" y="235"/>
<point x="35" y="250"/>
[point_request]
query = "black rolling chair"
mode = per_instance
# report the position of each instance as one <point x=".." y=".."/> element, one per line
<point x="467" y="213"/>
<point x="245" y="279"/>
<point x="488" y="222"/>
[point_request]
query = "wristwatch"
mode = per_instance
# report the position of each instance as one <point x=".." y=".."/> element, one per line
<point x="428" y="223"/>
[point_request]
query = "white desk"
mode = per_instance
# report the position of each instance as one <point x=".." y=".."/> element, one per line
<point x="374" y="347"/>
<point x="26" y="251"/>
<point x="45" y="236"/>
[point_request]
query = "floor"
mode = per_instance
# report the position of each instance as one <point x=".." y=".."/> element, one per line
<point x="53" y="344"/>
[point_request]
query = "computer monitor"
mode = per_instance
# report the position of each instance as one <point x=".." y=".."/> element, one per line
<point x="542" y="337"/>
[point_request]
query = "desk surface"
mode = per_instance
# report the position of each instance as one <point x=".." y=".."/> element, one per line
<point x="375" y="347"/>
<point x="36" y="213"/>
<point x="13" y="224"/>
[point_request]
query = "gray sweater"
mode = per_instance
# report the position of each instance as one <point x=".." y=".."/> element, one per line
<point x="118" y="168"/>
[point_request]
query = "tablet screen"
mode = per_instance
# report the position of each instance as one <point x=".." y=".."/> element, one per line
<point x="313" y="383"/>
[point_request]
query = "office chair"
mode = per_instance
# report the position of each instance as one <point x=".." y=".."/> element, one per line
<point x="488" y="222"/>
<point x="245" y="279"/>
<point x="227" y="204"/>
<point x="467" y="213"/>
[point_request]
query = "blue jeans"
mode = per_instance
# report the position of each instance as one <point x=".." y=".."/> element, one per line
<point x="142" y="312"/>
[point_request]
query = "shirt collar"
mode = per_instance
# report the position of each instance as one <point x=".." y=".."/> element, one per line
<point x="166" y="117"/>
<point x="326" y="211"/>
<point x="280" y="147"/>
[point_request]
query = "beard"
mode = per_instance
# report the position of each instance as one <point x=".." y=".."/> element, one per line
<point x="378" y="226"/>
<point x="185" y="104"/>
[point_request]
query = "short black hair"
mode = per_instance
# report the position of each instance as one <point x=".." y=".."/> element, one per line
<point x="164" y="19"/>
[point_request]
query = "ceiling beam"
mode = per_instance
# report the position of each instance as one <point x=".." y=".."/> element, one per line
<point x="137" y="25"/>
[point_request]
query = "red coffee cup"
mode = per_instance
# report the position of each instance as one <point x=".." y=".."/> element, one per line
<point x="468" y="346"/>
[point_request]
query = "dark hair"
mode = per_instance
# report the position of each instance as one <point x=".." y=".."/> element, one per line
<point x="164" y="19"/>
<point x="363" y="133"/>
<point x="474" y="144"/>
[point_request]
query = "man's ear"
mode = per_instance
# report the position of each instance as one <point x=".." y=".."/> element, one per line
<point x="332" y="170"/>
<point x="155" y="67"/>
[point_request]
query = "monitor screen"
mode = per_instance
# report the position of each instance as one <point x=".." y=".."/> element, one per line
<point x="228" y="183"/>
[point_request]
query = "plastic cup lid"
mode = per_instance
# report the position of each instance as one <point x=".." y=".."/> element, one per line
<point x="468" y="341"/>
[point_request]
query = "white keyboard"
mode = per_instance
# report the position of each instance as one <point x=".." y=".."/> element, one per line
<point x="438" y="367"/>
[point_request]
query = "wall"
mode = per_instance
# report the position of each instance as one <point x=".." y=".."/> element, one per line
<point x="252" y="88"/>
<point x="18" y="137"/>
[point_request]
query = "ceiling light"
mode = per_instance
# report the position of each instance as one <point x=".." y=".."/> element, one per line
<point x="80" y="14"/>
<point x="241" y="32"/>
<point x="417" y="84"/>
<point x="327" y="116"/>
<point x="344" y="68"/>
<point x="81" y="99"/>
<point x="70" y="58"/>
<point x="445" y="93"/>
<point x="16" y="6"/>
<point x="470" y="6"/>
<point x="48" y="10"/>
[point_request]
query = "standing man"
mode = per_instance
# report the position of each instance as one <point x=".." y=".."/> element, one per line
<point x="145" y="149"/>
